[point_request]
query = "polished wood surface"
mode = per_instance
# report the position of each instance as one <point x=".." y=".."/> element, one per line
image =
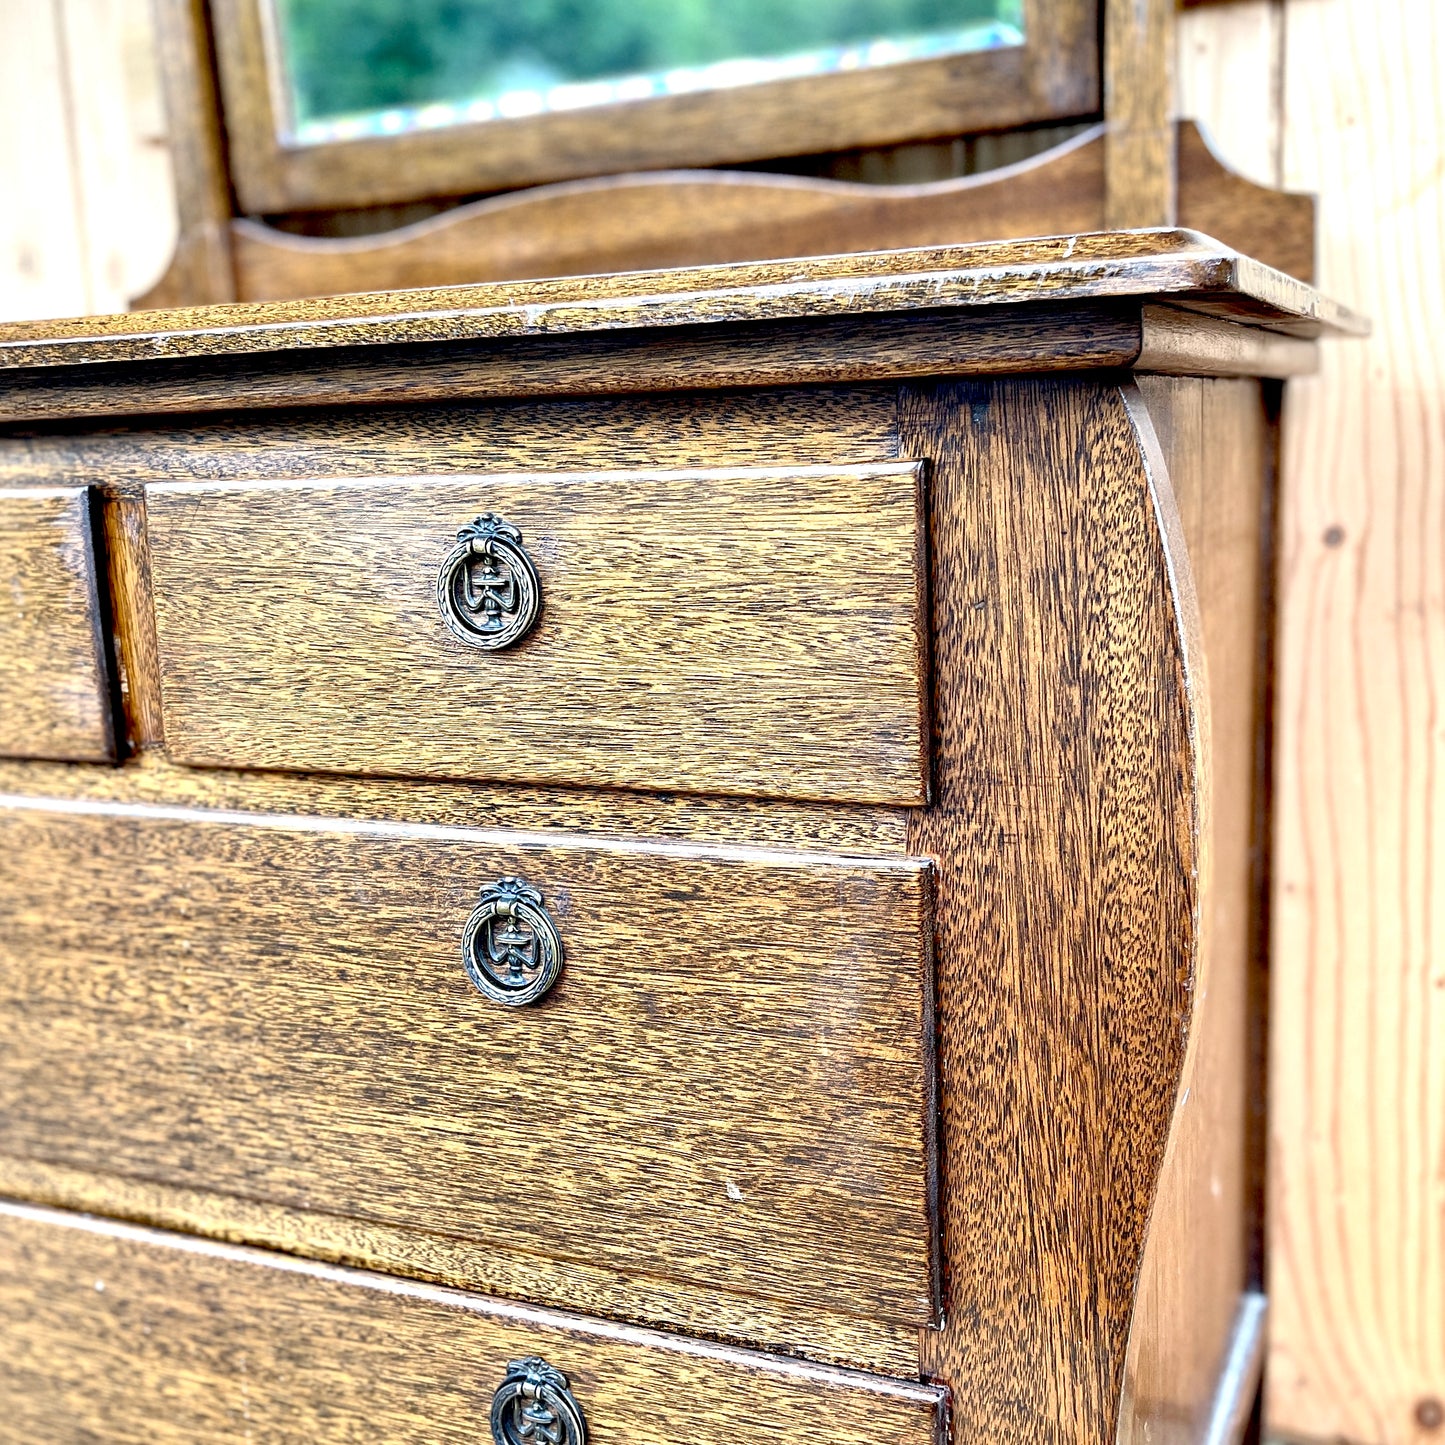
<point x="839" y="426"/>
<point x="141" y="1338"/>
<point x="994" y="342"/>
<point x="151" y="777"/>
<point x="1142" y="265"/>
<point x="1090" y="920"/>
<point x="739" y="631"/>
<point x="1069" y="747"/>
<point x="1141" y="185"/>
<point x="1213" y="444"/>
<point x="54" y="691"/>
<point x="730" y="1084"/>
<point x="640" y="221"/>
<point x="202" y="267"/>
<point x="1053" y="75"/>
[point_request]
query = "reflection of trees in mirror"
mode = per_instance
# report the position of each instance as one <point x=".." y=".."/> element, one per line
<point x="354" y="56"/>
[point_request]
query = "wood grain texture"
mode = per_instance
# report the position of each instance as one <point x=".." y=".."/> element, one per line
<point x="729" y="1085"/>
<point x="637" y="222"/>
<point x="1054" y="75"/>
<point x="1151" y="265"/>
<point x="1178" y="343"/>
<point x="1065" y="833"/>
<point x="1140" y="183"/>
<point x="740" y="631"/>
<point x="1000" y="341"/>
<point x="131" y="612"/>
<point x="54" y="691"/>
<point x="132" y="1336"/>
<point x="1215" y="452"/>
<point x="1357" y="1092"/>
<point x="201" y="270"/>
<point x="81" y="139"/>
<point x="1274" y="226"/>
<point x="611" y="813"/>
<point x="678" y="218"/>
<point x="680" y="430"/>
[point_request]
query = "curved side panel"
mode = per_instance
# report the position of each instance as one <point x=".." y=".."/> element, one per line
<point x="1068" y="890"/>
<point x="1194" y="1309"/>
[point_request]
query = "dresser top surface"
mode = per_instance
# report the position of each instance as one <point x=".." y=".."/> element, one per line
<point x="1181" y="267"/>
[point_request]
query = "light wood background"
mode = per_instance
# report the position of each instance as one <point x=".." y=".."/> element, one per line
<point x="1338" y="96"/>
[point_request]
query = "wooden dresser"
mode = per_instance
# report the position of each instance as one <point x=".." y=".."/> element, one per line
<point x="670" y="857"/>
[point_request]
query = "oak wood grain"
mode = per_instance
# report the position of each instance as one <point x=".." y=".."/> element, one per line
<point x="1137" y="264"/>
<point x="1140" y="181"/>
<point x="651" y="219"/>
<point x="679" y="430"/>
<point x="1178" y="343"/>
<point x="998" y="341"/>
<point x="806" y="1332"/>
<point x="738" y="631"/>
<point x="141" y="1338"/>
<point x="131" y="609"/>
<point x="614" y="813"/>
<point x="1065" y="833"/>
<point x="729" y="1085"/>
<point x="202" y="270"/>
<point x="1054" y="75"/>
<point x="54" y="691"/>
<point x="1275" y="226"/>
<point x="1212" y="443"/>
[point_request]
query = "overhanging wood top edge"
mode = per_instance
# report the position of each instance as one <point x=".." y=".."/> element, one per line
<point x="1145" y="265"/>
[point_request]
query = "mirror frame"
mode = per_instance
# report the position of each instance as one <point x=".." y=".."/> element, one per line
<point x="1053" y="76"/>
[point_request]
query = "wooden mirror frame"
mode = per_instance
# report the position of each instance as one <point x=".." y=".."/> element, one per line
<point x="1054" y="75"/>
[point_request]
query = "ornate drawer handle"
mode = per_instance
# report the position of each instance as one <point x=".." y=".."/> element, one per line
<point x="510" y="947"/>
<point x="487" y="589"/>
<point x="533" y="1406"/>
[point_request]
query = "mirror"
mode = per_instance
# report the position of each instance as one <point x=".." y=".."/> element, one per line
<point x="355" y="68"/>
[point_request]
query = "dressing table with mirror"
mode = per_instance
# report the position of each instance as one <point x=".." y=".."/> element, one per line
<point x="671" y="854"/>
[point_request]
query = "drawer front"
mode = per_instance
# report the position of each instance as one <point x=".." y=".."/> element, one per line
<point x="128" y="1335"/>
<point x="741" y="631"/>
<point x="53" y="690"/>
<point x="728" y="1084"/>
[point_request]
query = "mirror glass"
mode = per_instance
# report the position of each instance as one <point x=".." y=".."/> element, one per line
<point x="379" y="67"/>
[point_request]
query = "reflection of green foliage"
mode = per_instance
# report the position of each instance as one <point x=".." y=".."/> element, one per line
<point x="357" y="55"/>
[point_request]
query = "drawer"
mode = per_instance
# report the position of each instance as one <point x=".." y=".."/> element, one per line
<point x="128" y="1335"/>
<point x="728" y="1084"/>
<point x="745" y="631"/>
<point x="54" y="699"/>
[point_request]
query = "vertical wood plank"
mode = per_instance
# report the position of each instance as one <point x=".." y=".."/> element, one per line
<point x="88" y="213"/>
<point x="1139" y="174"/>
<point x="200" y="270"/>
<point x="125" y="195"/>
<point x="1230" y="79"/>
<point x="42" y="268"/>
<point x="1358" y="1080"/>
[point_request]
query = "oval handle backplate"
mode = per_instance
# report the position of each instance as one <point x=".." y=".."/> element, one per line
<point x="488" y="590"/>
<point x="534" y="1405"/>
<point x="511" y="948"/>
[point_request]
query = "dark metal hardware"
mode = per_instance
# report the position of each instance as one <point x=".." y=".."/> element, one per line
<point x="487" y="589"/>
<point x="510" y="947"/>
<point x="533" y="1406"/>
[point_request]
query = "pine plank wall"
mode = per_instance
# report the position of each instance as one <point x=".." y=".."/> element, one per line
<point x="1342" y="97"/>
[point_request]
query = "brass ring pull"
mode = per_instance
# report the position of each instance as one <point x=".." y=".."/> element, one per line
<point x="511" y="948"/>
<point x="487" y="589"/>
<point x="533" y="1405"/>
